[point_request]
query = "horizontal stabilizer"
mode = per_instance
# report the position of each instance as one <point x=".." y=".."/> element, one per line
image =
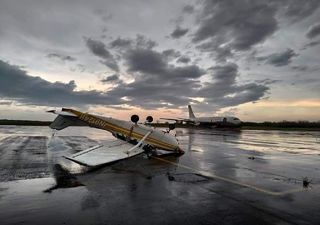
<point x="63" y="121"/>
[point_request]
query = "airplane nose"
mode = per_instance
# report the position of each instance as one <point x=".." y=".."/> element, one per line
<point x="180" y="151"/>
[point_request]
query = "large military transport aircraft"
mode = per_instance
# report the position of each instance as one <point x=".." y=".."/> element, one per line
<point x="218" y="121"/>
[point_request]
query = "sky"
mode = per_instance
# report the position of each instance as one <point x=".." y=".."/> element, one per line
<point x="254" y="59"/>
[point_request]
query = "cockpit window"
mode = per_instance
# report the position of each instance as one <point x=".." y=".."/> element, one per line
<point x="235" y="119"/>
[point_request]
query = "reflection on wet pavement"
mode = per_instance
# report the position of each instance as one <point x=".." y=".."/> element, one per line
<point x="63" y="178"/>
<point x="204" y="186"/>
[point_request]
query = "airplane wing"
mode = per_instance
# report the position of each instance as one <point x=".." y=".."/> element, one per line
<point x="169" y="119"/>
<point x="178" y="119"/>
<point x="108" y="153"/>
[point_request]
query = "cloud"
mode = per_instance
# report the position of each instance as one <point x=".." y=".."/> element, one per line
<point x="224" y="91"/>
<point x="17" y="85"/>
<point x="313" y="31"/>
<point x="226" y="27"/>
<point x="279" y="59"/>
<point x="220" y="54"/>
<point x="311" y="44"/>
<point x="145" y="60"/>
<point x="179" y="32"/>
<point x="143" y="42"/>
<point x="295" y="10"/>
<point x="111" y="79"/>
<point x="153" y="63"/>
<point x="184" y="59"/>
<point x="120" y="43"/>
<point x="238" y="24"/>
<point x="158" y="83"/>
<point x="307" y="70"/>
<point x="188" y="9"/>
<point x="225" y="75"/>
<point x="98" y="48"/>
<point x="267" y="81"/>
<point x="140" y="41"/>
<point x="301" y="68"/>
<point x="61" y="57"/>
<point x="171" y="54"/>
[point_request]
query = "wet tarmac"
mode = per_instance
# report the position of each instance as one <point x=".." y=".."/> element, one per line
<point x="225" y="177"/>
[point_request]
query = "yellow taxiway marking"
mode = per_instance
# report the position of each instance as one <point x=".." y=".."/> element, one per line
<point x="232" y="181"/>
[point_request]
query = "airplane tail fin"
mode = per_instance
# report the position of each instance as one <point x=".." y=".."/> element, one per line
<point x="63" y="121"/>
<point x="191" y="115"/>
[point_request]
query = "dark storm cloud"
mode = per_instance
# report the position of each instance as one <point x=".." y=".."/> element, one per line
<point x="220" y="54"/>
<point x="300" y="68"/>
<point x="279" y="59"/>
<point x="120" y="43"/>
<point x="224" y="91"/>
<point x="98" y="48"/>
<point x="154" y="63"/>
<point x="297" y="9"/>
<point x="313" y="31"/>
<point x="188" y="9"/>
<point x="225" y="74"/>
<point x="184" y="59"/>
<point x="139" y="42"/>
<point x="267" y="81"/>
<point x="224" y="27"/>
<point x="143" y="42"/>
<point x="110" y="79"/>
<point x="307" y="68"/>
<point x="61" y="57"/>
<point x="171" y="54"/>
<point x="179" y="32"/>
<point x="148" y="93"/>
<point x="311" y="44"/>
<point x="16" y="84"/>
<point x="145" y="60"/>
<point x="244" y="93"/>
<point x="158" y="83"/>
<point x="241" y="24"/>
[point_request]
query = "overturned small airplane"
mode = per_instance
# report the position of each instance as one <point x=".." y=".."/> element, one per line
<point x="217" y="121"/>
<point x="131" y="138"/>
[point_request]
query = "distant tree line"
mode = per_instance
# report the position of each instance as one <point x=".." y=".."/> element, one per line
<point x="24" y="122"/>
<point x="283" y="124"/>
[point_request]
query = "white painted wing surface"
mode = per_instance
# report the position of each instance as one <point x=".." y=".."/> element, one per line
<point x="103" y="154"/>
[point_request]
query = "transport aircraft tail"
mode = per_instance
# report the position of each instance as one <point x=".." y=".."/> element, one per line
<point x="191" y="115"/>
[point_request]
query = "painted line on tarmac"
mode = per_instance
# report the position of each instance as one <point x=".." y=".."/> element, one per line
<point x="232" y="181"/>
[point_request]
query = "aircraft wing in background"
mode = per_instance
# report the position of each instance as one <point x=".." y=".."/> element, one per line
<point x="177" y="119"/>
<point x="180" y="120"/>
